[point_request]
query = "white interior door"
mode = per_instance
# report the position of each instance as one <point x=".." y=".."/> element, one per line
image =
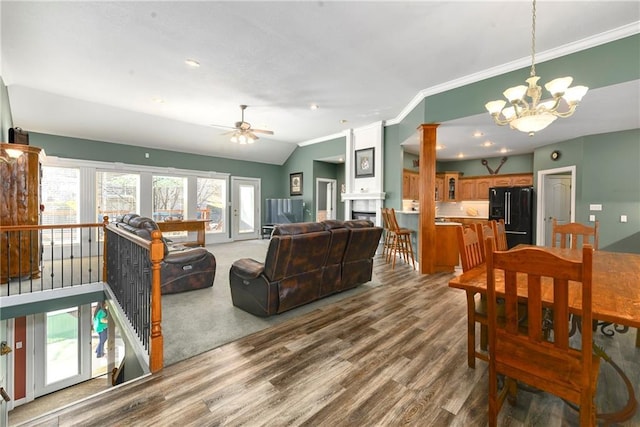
<point x="556" y="199"/>
<point x="325" y="199"/>
<point x="245" y="208"/>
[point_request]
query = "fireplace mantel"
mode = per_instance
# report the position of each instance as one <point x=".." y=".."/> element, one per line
<point x="363" y="196"/>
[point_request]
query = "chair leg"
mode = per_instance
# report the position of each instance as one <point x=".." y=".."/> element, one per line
<point x="484" y="337"/>
<point x="410" y="246"/>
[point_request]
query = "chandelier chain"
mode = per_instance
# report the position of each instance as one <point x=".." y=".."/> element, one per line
<point x="533" y="41"/>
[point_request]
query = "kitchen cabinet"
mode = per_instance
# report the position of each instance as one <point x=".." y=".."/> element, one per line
<point x="477" y="187"/>
<point x="410" y="185"/>
<point x="20" y="205"/>
<point x="468" y="189"/>
<point x="451" y="193"/>
<point x="447" y="255"/>
<point x="439" y="187"/>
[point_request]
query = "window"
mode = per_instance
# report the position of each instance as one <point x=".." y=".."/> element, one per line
<point x="117" y="193"/>
<point x="169" y="198"/>
<point x="212" y="202"/>
<point x="60" y="191"/>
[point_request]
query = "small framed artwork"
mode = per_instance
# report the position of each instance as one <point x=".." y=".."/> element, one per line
<point x="364" y="162"/>
<point x="295" y="184"/>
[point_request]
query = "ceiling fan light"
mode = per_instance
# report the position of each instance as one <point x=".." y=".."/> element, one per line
<point x="234" y="139"/>
<point x="515" y="93"/>
<point x="242" y="139"/>
<point x="574" y="94"/>
<point x="557" y="87"/>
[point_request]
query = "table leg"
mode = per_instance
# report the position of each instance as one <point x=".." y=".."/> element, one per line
<point x="471" y="330"/>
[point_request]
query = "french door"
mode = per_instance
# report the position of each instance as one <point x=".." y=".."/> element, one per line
<point x="245" y="208"/>
<point x="62" y="348"/>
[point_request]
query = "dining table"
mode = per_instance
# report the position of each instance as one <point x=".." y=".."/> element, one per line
<point x="615" y="287"/>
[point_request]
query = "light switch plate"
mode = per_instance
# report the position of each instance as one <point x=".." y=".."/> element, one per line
<point x="592" y="218"/>
<point x="623" y="218"/>
<point x="597" y="207"/>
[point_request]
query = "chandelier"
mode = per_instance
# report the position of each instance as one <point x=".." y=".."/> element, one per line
<point x="532" y="116"/>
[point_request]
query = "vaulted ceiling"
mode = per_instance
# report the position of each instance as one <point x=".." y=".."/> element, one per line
<point x="116" y="71"/>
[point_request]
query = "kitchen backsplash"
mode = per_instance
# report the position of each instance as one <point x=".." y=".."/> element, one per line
<point x="479" y="209"/>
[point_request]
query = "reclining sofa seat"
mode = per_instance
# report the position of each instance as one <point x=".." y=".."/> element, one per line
<point x="304" y="262"/>
<point x="183" y="268"/>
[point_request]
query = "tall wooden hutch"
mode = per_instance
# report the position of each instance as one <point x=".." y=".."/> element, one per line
<point x="19" y="205"/>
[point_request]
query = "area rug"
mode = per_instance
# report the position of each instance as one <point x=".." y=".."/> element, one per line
<point x="197" y="321"/>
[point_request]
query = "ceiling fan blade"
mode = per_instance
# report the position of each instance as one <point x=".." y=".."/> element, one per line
<point x="267" y="132"/>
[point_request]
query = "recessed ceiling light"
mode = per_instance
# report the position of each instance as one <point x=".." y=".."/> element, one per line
<point x="487" y="144"/>
<point x="341" y="160"/>
<point x="158" y="100"/>
<point x="478" y="134"/>
<point x="192" y="63"/>
<point x="314" y="106"/>
<point x="460" y="155"/>
<point x="504" y="150"/>
<point x="440" y="147"/>
<point x="343" y="121"/>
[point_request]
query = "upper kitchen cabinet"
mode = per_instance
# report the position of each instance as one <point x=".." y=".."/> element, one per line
<point x="439" y="187"/>
<point x="451" y="187"/>
<point x="410" y="185"/>
<point x="477" y="187"/>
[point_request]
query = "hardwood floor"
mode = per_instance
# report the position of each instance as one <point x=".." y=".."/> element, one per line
<point x="395" y="355"/>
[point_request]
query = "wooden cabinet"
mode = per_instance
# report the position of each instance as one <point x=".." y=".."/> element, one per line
<point x="468" y="188"/>
<point x="410" y="185"/>
<point x="20" y="205"/>
<point x="439" y="187"/>
<point x="451" y="193"/>
<point x="447" y="255"/>
<point x="477" y="187"/>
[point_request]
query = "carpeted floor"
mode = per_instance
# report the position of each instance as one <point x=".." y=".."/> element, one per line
<point x="196" y="321"/>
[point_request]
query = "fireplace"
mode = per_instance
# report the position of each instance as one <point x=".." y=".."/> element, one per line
<point x="371" y="216"/>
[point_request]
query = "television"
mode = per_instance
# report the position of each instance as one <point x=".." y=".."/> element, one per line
<point x="282" y="211"/>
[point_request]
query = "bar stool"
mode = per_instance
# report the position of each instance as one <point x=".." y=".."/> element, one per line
<point x="386" y="245"/>
<point x="400" y="241"/>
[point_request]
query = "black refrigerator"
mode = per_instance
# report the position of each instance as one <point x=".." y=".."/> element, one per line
<point x="515" y="206"/>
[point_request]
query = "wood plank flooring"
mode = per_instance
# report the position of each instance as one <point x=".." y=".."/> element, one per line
<point x="392" y="356"/>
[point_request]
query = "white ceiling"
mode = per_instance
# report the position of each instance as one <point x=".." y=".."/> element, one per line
<point x="95" y="70"/>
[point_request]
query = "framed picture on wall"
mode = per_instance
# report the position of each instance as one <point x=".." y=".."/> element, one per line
<point x="364" y="163"/>
<point x="295" y="184"/>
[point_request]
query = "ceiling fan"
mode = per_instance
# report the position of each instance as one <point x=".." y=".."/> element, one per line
<point x="243" y="133"/>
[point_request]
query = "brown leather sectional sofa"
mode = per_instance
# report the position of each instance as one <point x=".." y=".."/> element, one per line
<point x="183" y="268"/>
<point x="305" y="262"/>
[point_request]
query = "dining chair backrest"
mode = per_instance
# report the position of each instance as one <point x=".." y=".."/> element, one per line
<point x="485" y="230"/>
<point x="576" y="233"/>
<point x="469" y="246"/>
<point x="385" y="218"/>
<point x="500" y="231"/>
<point x="525" y="354"/>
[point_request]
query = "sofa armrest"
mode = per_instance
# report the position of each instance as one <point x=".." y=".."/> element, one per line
<point x="247" y="268"/>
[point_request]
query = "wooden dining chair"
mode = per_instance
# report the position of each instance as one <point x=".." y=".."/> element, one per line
<point x="472" y="255"/>
<point x="552" y="366"/>
<point x="484" y="230"/>
<point x="500" y="232"/>
<point x="574" y="235"/>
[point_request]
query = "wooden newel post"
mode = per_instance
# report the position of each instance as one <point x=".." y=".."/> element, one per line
<point x="157" y="254"/>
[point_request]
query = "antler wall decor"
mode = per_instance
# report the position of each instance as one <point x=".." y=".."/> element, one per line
<point x="491" y="171"/>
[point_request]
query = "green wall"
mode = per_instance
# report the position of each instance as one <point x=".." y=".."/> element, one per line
<point x="515" y="164"/>
<point x="5" y="113"/>
<point x="303" y="159"/>
<point x="607" y="173"/>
